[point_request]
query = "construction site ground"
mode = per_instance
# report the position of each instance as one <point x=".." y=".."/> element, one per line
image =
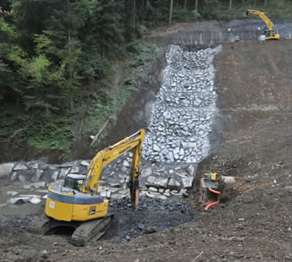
<point x="251" y="140"/>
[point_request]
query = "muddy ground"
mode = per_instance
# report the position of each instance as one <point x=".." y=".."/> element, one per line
<point x="251" y="140"/>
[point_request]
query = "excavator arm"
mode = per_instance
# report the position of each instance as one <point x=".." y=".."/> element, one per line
<point x="271" y="35"/>
<point x="262" y="15"/>
<point x="107" y="155"/>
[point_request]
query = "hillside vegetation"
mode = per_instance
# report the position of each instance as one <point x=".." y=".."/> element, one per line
<point x="60" y="59"/>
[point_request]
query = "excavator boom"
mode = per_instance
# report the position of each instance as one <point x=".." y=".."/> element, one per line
<point x="271" y="35"/>
<point x="107" y="155"/>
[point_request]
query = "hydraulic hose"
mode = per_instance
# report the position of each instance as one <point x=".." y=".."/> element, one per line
<point x="211" y="204"/>
<point x="214" y="191"/>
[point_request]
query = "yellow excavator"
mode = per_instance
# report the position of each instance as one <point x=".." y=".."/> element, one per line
<point x="77" y="203"/>
<point x="269" y="34"/>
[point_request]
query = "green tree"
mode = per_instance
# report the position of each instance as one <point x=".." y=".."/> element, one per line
<point x="12" y="62"/>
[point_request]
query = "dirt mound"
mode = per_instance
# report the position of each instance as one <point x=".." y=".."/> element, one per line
<point x="251" y="140"/>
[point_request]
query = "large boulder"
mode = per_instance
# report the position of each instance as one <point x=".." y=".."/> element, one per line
<point x="6" y="169"/>
<point x="157" y="182"/>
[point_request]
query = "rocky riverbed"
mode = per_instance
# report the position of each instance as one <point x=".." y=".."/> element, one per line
<point x="182" y="116"/>
<point x="163" y="192"/>
<point x="177" y="138"/>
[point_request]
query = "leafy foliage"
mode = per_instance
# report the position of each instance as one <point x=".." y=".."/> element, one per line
<point x="57" y="57"/>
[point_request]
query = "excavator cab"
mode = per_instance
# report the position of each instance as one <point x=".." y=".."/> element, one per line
<point x="74" y="181"/>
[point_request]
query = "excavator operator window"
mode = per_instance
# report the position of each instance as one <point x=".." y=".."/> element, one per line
<point x="78" y="184"/>
<point x="74" y="181"/>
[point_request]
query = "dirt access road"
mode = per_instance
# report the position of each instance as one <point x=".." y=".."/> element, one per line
<point x="251" y="140"/>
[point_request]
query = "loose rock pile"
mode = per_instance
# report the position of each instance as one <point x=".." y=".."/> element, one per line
<point x="177" y="135"/>
<point x="155" y="181"/>
<point x="182" y="115"/>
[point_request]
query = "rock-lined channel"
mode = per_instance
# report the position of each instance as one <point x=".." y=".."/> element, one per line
<point x="186" y="103"/>
<point x="176" y="141"/>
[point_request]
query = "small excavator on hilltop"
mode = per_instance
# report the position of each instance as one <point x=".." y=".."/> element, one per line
<point x="77" y="204"/>
<point x="269" y="33"/>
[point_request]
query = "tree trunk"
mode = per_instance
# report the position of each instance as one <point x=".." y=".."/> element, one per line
<point x="71" y="104"/>
<point x="265" y="4"/>
<point x="70" y="69"/>
<point x="68" y="28"/>
<point x="242" y="3"/>
<point x="103" y="47"/>
<point x="17" y="100"/>
<point x="134" y="16"/>
<point x="185" y="4"/>
<point x="230" y="4"/>
<point x="170" y="12"/>
<point x="196" y="4"/>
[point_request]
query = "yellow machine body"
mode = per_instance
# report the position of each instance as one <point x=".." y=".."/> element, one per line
<point x="83" y="203"/>
<point x="270" y="34"/>
<point x="69" y="206"/>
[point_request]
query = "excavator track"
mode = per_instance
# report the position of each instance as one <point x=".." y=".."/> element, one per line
<point x="83" y="233"/>
<point x="90" y="230"/>
<point x="39" y="225"/>
<point x="43" y="224"/>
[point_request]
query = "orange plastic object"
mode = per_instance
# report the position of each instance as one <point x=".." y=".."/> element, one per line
<point x="211" y="204"/>
<point x="214" y="191"/>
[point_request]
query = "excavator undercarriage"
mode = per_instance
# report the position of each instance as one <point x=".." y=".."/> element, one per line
<point x="83" y="231"/>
